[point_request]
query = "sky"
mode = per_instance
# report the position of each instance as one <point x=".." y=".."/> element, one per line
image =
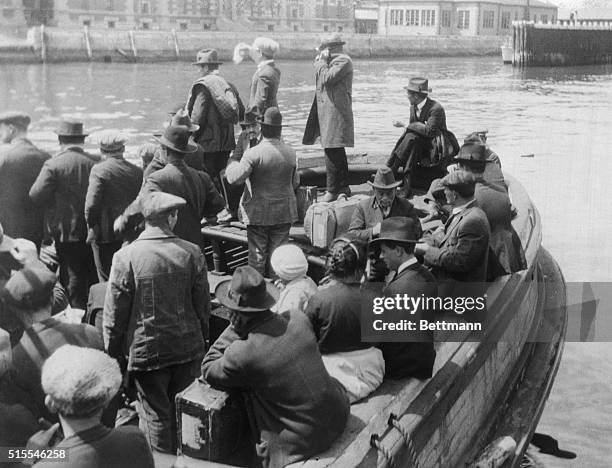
<point x="577" y="4"/>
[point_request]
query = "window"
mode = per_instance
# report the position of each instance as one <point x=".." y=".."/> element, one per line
<point x="325" y="28"/>
<point x="111" y="25"/>
<point x="183" y="26"/>
<point x="145" y="8"/>
<point x="535" y="18"/>
<point x="412" y="17"/>
<point x="270" y="27"/>
<point x="464" y="19"/>
<point x="445" y="21"/>
<point x="545" y="19"/>
<point x="185" y="6"/>
<point x="145" y="26"/>
<point x="397" y="17"/>
<point x="295" y="27"/>
<point x="516" y="16"/>
<point x="86" y="22"/>
<point x="505" y="20"/>
<point x="8" y="13"/>
<point x="109" y="4"/>
<point x="340" y="28"/>
<point x="488" y="19"/>
<point x="428" y="17"/>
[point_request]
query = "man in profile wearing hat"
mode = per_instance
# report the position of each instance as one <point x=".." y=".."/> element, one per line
<point x="61" y="188"/>
<point x="268" y="204"/>
<point x="20" y="164"/>
<point x="492" y="173"/>
<point x="214" y="104"/>
<point x="113" y="185"/>
<point x="331" y="114"/>
<point x="266" y="79"/>
<point x="427" y="121"/>
<point x="397" y="240"/>
<point x="297" y="409"/>
<point x="157" y="305"/>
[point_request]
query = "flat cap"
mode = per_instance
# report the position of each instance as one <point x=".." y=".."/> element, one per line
<point x="15" y="117"/>
<point x="111" y="140"/>
<point x="80" y="381"/>
<point x="436" y="190"/>
<point x="156" y="203"/>
<point x="31" y="287"/>
<point x="266" y="46"/>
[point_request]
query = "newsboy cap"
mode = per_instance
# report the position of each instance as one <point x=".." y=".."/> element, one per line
<point x="266" y="46"/>
<point x="156" y="203"/>
<point x="459" y="179"/>
<point x="15" y="117"/>
<point x="80" y="381"/>
<point x="30" y="288"/>
<point x="111" y="141"/>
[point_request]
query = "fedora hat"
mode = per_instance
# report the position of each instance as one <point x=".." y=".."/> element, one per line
<point x="247" y="291"/>
<point x="250" y="118"/>
<point x="418" y="85"/>
<point x="176" y="138"/>
<point x="207" y="57"/>
<point x="472" y="151"/>
<point x="398" y="229"/>
<point x="272" y="118"/>
<point x="180" y="118"/>
<point x="15" y="117"/>
<point x="332" y="40"/>
<point x="71" y="128"/>
<point x="384" y="179"/>
<point x="6" y="243"/>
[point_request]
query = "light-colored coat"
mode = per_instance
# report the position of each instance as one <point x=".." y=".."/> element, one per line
<point x="331" y="115"/>
<point x="270" y="172"/>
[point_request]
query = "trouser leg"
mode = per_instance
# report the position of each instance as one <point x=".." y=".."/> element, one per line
<point x="257" y="237"/>
<point x="76" y="261"/>
<point x="277" y="236"/>
<point x="103" y="257"/>
<point x="214" y="164"/>
<point x="336" y="167"/>
<point x="155" y="408"/>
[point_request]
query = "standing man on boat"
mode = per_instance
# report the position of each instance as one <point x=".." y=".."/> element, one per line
<point x="268" y="203"/>
<point x="157" y="305"/>
<point x="113" y="185"/>
<point x="331" y="114"/>
<point x="61" y="187"/>
<point x="20" y="164"/>
<point x="266" y="78"/>
<point x="214" y="104"/>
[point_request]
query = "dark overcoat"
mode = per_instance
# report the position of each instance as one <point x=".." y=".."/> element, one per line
<point x="264" y="87"/>
<point x="20" y="164"/>
<point x="298" y="408"/>
<point x="61" y="187"/>
<point x="415" y="358"/>
<point x="113" y="185"/>
<point x="331" y="114"/>
<point x="431" y="120"/>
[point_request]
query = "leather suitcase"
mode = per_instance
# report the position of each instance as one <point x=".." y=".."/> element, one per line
<point x="325" y="222"/>
<point x="211" y="424"/>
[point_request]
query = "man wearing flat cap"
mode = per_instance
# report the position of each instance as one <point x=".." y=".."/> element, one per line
<point x="61" y="188"/>
<point x="268" y="203"/>
<point x="396" y="243"/>
<point x="298" y="409"/>
<point x="157" y="306"/>
<point x="113" y="185"/>
<point x="214" y="104"/>
<point x="414" y="148"/>
<point x="266" y="79"/>
<point x="331" y="114"/>
<point x="20" y="164"/>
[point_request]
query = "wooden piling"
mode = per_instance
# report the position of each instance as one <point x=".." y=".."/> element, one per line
<point x="177" y="52"/>
<point x="133" y="44"/>
<point x="87" y="42"/>
<point x="43" y="44"/>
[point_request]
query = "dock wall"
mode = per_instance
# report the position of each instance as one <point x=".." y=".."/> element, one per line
<point x="549" y="45"/>
<point x="103" y="45"/>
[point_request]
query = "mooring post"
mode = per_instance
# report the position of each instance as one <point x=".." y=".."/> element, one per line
<point x="177" y="52"/>
<point x="87" y="42"/>
<point x="133" y="43"/>
<point x="43" y="44"/>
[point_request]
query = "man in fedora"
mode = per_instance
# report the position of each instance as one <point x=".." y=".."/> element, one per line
<point x="268" y="203"/>
<point x="214" y="104"/>
<point x="397" y="240"/>
<point x="113" y="185"/>
<point x="20" y="164"/>
<point x="266" y="79"/>
<point x="157" y="305"/>
<point x="331" y="114"/>
<point x="427" y="121"/>
<point x="493" y="172"/>
<point x="297" y="409"/>
<point x="61" y="188"/>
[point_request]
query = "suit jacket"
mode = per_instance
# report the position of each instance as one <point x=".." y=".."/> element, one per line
<point x="462" y="253"/>
<point x="159" y="161"/>
<point x="264" y="87"/>
<point x="368" y="214"/>
<point x="113" y="185"/>
<point x="431" y="120"/>
<point x="331" y="114"/>
<point x="270" y="172"/>
<point x="298" y="408"/>
<point x="61" y="187"/>
<point x="196" y="187"/>
<point x="414" y="359"/>
<point x="20" y="164"/>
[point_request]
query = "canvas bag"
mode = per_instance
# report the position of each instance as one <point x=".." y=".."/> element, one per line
<point x="223" y="95"/>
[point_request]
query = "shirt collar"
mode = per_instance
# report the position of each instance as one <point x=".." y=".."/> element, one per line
<point x="263" y="63"/>
<point x="84" y="437"/>
<point x="459" y="209"/>
<point x="154" y="232"/>
<point x="422" y="104"/>
<point x="406" y="264"/>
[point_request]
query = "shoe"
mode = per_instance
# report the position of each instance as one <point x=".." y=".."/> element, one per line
<point x="329" y="197"/>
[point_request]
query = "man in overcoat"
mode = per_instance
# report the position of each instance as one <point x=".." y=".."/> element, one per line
<point x="20" y="164"/>
<point x="415" y="357"/>
<point x="113" y="185"/>
<point x="266" y="79"/>
<point x="268" y="203"/>
<point x="331" y="114"/>
<point x="298" y="409"/>
<point x="61" y="187"/>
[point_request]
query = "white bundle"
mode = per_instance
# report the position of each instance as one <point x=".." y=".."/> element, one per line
<point x="244" y="51"/>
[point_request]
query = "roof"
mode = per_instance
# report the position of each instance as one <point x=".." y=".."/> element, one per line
<point x="594" y="14"/>
<point x="520" y="3"/>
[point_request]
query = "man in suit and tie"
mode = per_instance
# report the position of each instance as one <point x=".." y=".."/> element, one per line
<point x="266" y="78"/>
<point x="397" y="240"/>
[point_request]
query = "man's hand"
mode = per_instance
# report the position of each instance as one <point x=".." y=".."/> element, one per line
<point x="376" y="230"/>
<point x="120" y="224"/>
<point x="397" y="123"/>
<point x="24" y="251"/>
<point x="41" y="441"/>
<point x="323" y="55"/>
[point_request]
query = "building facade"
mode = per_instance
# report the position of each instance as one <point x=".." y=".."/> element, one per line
<point x="589" y="17"/>
<point x="459" y="17"/>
